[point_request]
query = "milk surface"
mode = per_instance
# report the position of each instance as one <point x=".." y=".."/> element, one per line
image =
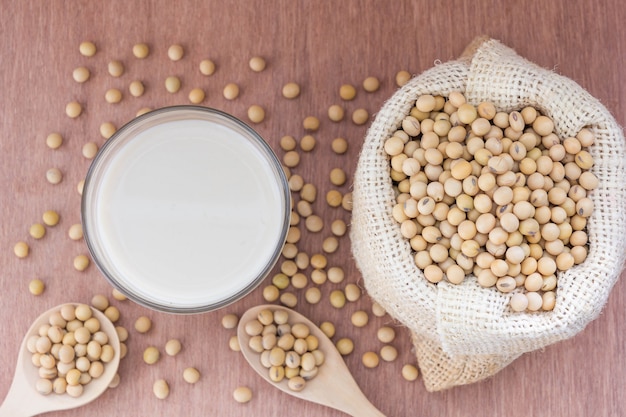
<point x="189" y="213"/>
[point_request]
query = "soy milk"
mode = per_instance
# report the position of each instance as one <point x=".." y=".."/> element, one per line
<point x="187" y="214"/>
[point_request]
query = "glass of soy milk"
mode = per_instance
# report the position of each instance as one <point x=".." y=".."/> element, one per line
<point x="185" y="209"/>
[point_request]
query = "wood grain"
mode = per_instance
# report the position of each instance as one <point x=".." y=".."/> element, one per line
<point x="320" y="45"/>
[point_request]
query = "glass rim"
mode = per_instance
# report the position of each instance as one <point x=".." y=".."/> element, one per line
<point x="126" y="133"/>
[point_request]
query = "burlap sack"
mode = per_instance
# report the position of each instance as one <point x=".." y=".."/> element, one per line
<point x="464" y="333"/>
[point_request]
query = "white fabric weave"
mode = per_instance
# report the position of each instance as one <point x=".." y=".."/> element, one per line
<point x="464" y="333"/>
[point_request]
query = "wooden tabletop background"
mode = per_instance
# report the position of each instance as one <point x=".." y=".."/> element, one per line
<point x="320" y="45"/>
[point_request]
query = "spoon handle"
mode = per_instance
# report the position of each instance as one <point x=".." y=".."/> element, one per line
<point x="17" y="404"/>
<point x="361" y="408"/>
<point x="349" y="398"/>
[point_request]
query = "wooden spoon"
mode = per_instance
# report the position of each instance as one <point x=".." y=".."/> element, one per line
<point x="333" y="386"/>
<point x="23" y="400"/>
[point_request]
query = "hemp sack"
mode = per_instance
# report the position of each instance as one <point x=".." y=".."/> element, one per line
<point x="464" y="333"/>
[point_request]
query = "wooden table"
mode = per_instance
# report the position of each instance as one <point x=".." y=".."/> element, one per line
<point x="319" y="45"/>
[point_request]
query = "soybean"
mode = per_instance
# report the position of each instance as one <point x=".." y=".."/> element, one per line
<point x="191" y="375"/>
<point x="87" y="48"/>
<point x="173" y="346"/>
<point x="175" y="52"/>
<point x="242" y="394"/>
<point x="161" y="389"/>
<point x="257" y="63"/>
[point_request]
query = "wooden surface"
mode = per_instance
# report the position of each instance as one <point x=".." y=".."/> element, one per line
<point x="321" y="45"/>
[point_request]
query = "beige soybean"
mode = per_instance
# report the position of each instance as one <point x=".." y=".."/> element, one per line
<point x="345" y="346"/>
<point x="386" y="334"/>
<point x="161" y="389"/>
<point x="81" y="262"/>
<point x="21" y="249"/>
<point x="207" y="67"/>
<point x="256" y="113"/>
<point x="90" y="149"/>
<point x="347" y="92"/>
<point x="334" y="198"/>
<point x="117" y="295"/>
<point x="410" y="372"/>
<point x="313" y="295"/>
<point x="319" y="276"/>
<point x="73" y="109"/>
<point x="107" y="129"/>
<point x="352" y="292"/>
<point x="122" y="333"/>
<point x="87" y="48"/>
<point x="191" y="375"/>
<point x="291" y="90"/>
<point x="338" y="227"/>
<point x="196" y="96"/>
<point x="230" y="321"/>
<point x="291" y="159"/>
<point x="330" y="244"/>
<point x="336" y="113"/>
<point x="289" y="299"/>
<point x="288" y="143"/>
<point x="233" y="343"/>
<point x="402" y="77"/>
<point x="54" y="140"/>
<point x="143" y="111"/>
<point x="54" y="176"/>
<point x="370" y="359"/>
<point x="359" y="318"/>
<point x="141" y="50"/>
<point x="318" y="261"/>
<point x="172" y="84"/>
<point x="143" y="324"/>
<point x="112" y="313"/>
<point x="257" y="63"/>
<point x="311" y="123"/>
<point x="337" y="299"/>
<point x="388" y="353"/>
<point x="231" y="91"/>
<point x="173" y="347"/>
<point x="175" y="52"/>
<point x="36" y="287"/>
<point x="271" y="293"/>
<point x="299" y="280"/>
<point x="113" y="96"/>
<point x="371" y="84"/>
<point x="360" y="116"/>
<point x="37" y="231"/>
<point x="307" y="143"/>
<point x="339" y="146"/>
<point x="75" y="231"/>
<point x="115" y="382"/>
<point x="314" y="223"/>
<point x="100" y="302"/>
<point x="308" y="192"/>
<point x="281" y="280"/>
<point x="242" y="394"/>
<point x="338" y="176"/>
<point x="81" y="74"/>
<point x="136" y="88"/>
<point x="328" y="328"/>
<point x="378" y="310"/>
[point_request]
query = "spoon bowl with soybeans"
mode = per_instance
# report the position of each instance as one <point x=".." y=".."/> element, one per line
<point x="327" y="381"/>
<point x="68" y="358"/>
